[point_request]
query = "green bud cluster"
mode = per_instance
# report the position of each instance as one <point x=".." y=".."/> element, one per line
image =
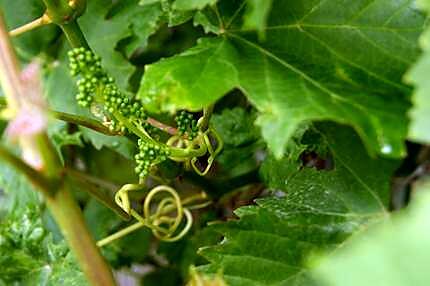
<point x="95" y="84"/>
<point x="85" y="64"/>
<point x="149" y="155"/>
<point x="186" y="124"/>
<point x="83" y="61"/>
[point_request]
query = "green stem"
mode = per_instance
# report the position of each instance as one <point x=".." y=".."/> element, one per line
<point x="119" y="234"/>
<point x="204" y="121"/>
<point x="98" y="194"/>
<point x="70" y="219"/>
<point x="39" y="22"/>
<point x="74" y="35"/>
<point x="92" y="180"/>
<point x="83" y="121"/>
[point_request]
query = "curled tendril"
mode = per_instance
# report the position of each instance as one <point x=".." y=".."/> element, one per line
<point x="213" y="152"/>
<point x="204" y="139"/>
<point x="163" y="212"/>
<point x="179" y="142"/>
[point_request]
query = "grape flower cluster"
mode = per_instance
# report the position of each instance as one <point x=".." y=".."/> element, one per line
<point x="95" y="85"/>
<point x="149" y="154"/>
<point x="186" y="124"/>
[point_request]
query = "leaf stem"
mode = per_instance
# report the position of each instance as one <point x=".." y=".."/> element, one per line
<point x="74" y="35"/>
<point x="204" y="121"/>
<point x="97" y="192"/>
<point x="83" y="121"/>
<point x="69" y="217"/>
<point x="92" y="180"/>
<point x="39" y="22"/>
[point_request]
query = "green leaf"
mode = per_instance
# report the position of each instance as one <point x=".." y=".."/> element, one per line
<point x="395" y="253"/>
<point x="317" y="63"/>
<point x="192" y="4"/>
<point x="241" y="142"/>
<point x="120" y="144"/>
<point x="104" y="30"/>
<point x="190" y="80"/>
<point x="418" y="75"/>
<point x="313" y="211"/>
<point x="236" y="126"/>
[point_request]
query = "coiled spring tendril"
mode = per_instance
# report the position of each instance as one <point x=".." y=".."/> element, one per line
<point x="163" y="216"/>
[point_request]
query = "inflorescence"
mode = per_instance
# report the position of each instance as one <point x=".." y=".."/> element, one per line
<point x="149" y="155"/>
<point x="186" y="124"/>
<point x="96" y="86"/>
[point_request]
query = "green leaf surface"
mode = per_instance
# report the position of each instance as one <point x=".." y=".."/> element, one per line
<point x="394" y="254"/>
<point x="192" y="4"/>
<point x="120" y="144"/>
<point x="312" y="211"/>
<point x="336" y="60"/>
<point x="241" y="139"/>
<point x="419" y="76"/>
<point x="105" y="25"/>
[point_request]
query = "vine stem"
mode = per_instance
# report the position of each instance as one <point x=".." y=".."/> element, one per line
<point x="102" y="197"/>
<point x="204" y="121"/>
<point x="39" y="22"/>
<point x="83" y="121"/>
<point x="57" y="195"/>
<point x="166" y="128"/>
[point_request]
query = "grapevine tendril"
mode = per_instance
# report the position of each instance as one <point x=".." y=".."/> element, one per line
<point x="165" y="218"/>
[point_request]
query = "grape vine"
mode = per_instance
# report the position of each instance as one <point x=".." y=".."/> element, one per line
<point x="98" y="91"/>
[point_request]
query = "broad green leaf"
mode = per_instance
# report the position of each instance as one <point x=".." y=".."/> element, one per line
<point x="420" y="118"/>
<point x="241" y="139"/>
<point x="236" y="126"/>
<point x="104" y="30"/>
<point x="120" y="144"/>
<point x="192" y="4"/>
<point x="394" y="254"/>
<point x="321" y="60"/>
<point x="312" y="211"/>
